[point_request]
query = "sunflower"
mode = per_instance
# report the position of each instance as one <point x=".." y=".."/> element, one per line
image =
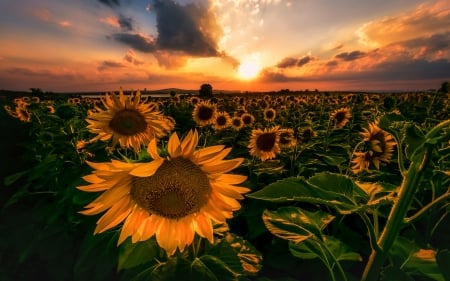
<point x="172" y="197"/>
<point x="247" y="119"/>
<point x="379" y="148"/>
<point x="204" y="113"/>
<point x="340" y="117"/>
<point x="222" y="121"/>
<point x="194" y="100"/>
<point x="306" y="133"/>
<point x="128" y="121"/>
<point x="236" y="123"/>
<point x="20" y="112"/>
<point x="269" y="114"/>
<point x="264" y="144"/>
<point x="287" y="138"/>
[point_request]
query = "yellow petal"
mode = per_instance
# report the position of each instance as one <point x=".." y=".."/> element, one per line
<point x="152" y="149"/>
<point x="174" y="148"/>
<point x="92" y="178"/>
<point x="204" y="153"/>
<point x="215" y="157"/>
<point x="114" y="216"/>
<point x="223" y="166"/>
<point x="231" y="178"/>
<point x="147" y="169"/>
<point x="204" y="227"/>
<point x="227" y="190"/>
<point x="189" y="143"/>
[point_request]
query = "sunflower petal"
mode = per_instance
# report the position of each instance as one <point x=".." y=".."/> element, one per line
<point x="223" y="166"/>
<point x="174" y="147"/>
<point x="152" y="149"/>
<point x="113" y="216"/>
<point x="204" y="227"/>
<point x="189" y="143"/>
<point x="231" y="178"/>
<point x="147" y="169"/>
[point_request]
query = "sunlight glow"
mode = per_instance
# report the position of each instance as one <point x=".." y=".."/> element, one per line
<point x="248" y="69"/>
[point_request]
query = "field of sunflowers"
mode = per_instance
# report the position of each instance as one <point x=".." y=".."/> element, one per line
<point x="263" y="187"/>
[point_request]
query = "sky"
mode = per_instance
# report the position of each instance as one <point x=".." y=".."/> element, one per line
<point x="244" y="45"/>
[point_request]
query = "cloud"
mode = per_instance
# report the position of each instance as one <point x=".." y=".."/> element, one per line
<point x="109" y="64"/>
<point x="408" y="62"/>
<point x="350" y="56"/>
<point x="136" y="41"/>
<point x="131" y="57"/>
<point x="110" y="3"/>
<point x="192" y="28"/>
<point x="295" y="62"/>
<point x="425" y="20"/>
<point x="126" y="23"/>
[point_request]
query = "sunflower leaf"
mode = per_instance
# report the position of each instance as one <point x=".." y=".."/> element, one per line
<point x="333" y="190"/>
<point x="134" y="254"/>
<point x="295" y="224"/>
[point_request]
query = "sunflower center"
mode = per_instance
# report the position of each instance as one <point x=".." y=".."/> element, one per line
<point x="340" y="116"/>
<point x="221" y="120"/>
<point x="178" y="188"/>
<point x="247" y="119"/>
<point x="266" y="142"/>
<point x="269" y="114"/>
<point x="128" y="122"/>
<point x="205" y="113"/>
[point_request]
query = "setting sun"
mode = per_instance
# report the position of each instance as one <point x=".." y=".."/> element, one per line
<point x="248" y="69"/>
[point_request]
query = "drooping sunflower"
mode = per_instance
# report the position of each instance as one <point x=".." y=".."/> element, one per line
<point x="204" y="113"/>
<point x="128" y="121"/>
<point x="264" y="144"/>
<point x="270" y="114"/>
<point x="379" y="147"/>
<point x="287" y="138"/>
<point x="172" y="198"/>
<point x="340" y="117"/>
<point x="222" y="121"/>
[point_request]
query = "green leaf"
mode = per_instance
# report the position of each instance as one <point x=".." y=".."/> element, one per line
<point x="342" y="186"/>
<point x="14" y="177"/>
<point x="134" y="254"/>
<point x="288" y="189"/>
<point x="332" y="160"/>
<point x="200" y="270"/>
<point x="295" y="224"/>
<point x="414" y="140"/>
<point x="314" y="249"/>
<point x="334" y="190"/>
<point x="423" y="262"/>
<point x="443" y="260"/>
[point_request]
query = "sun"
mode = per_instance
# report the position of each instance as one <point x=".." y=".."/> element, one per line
<point x="248" y="69"/>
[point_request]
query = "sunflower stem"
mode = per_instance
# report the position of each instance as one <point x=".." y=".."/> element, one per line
<point x="396" y="217"/>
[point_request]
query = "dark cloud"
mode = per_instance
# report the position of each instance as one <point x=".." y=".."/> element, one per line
<point x="125" y="23"/>
<point x="109" y="64"/>
<point x="192" y="28"/>
<point x="294" y="62"/>
<point x="350" y="56"/>
<point x="136" y="41"/>
<point x="435" y="43"/>
<point x="110" y="3"/>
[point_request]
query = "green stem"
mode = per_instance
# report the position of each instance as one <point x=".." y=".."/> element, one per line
<point x="371" y="231"/>
<point x="395" y="219"/>
<point x="427" y="207"/>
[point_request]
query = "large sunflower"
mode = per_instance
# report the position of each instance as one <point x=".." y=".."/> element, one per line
<point x="172" y="198"/>
<point x="264" y="144"/>
<point x="379" y="147"/>
<point x="128" y="121"/>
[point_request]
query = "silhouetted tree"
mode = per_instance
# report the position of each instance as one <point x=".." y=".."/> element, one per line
<point x="206" y="91"/>
<point x="445" y="87"/>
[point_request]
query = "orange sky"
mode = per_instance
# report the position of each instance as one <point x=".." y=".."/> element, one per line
<point x="102" y="45"/>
